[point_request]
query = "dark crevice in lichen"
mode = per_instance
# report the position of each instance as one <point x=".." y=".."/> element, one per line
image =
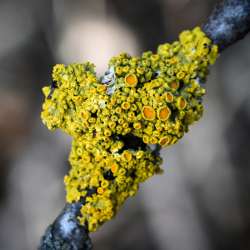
<point x="155" y="75"/>
<point x="156" y="151"/>
<point x="108" y="175"/>
<point x="91" y="191"/>
<point x="94" y="115"/>
<point x="181" y="85"/>
<point x="131" y="142"/>
<point x="133" y="174"/>
<point x="52" y="88"/>
<point x="173" y="115"/>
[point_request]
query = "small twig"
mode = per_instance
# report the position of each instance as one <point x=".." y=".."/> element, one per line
<point x="66" y="233"/>
<point x="228" y="23"/>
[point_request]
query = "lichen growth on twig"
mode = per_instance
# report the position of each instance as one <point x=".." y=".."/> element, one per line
<point x="152" y="99"/>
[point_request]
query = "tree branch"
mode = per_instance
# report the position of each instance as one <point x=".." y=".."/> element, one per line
<point x="228" y="23"/>
<point x="66" y="233"/>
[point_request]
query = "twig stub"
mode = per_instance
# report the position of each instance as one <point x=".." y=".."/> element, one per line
<point x="228" y="23"/>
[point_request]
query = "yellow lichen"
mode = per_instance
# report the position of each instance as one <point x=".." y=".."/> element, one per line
<point x="150" y="99"/>
<point x="125" y="105"/>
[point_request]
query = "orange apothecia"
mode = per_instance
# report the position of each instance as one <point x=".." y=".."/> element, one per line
<point x="148" y="113"/>
<point x="164" y="140"/>
<point x="114" y="168"/>
<point x="131" y="80"/>
<point x="181" y="103"/>
<point x="164" y="113"/>
<point x="169" y="97"/>
<point x="174" y="85"/>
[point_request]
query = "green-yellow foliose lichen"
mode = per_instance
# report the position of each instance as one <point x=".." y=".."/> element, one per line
<point x="151" y="99"/>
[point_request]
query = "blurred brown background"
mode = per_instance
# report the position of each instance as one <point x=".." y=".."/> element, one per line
<point x="202" y="201"/>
